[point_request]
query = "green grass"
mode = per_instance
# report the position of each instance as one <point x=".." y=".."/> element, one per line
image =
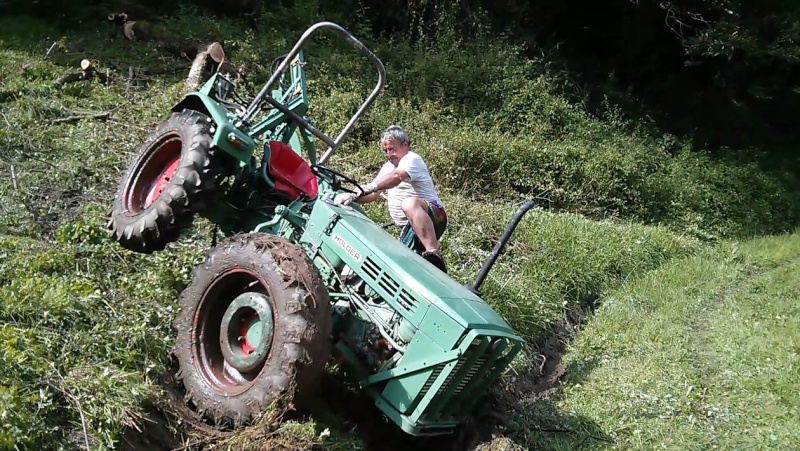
<point x="699" y="354"/>
<point x="85" y="326"/>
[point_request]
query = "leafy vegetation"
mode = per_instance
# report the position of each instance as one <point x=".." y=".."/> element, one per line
<point x="85" y="326"/>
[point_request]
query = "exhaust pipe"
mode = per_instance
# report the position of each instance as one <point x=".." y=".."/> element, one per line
<point x="498" y="247"/>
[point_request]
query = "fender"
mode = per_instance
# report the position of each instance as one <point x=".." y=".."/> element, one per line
<point x="227" y="137"/>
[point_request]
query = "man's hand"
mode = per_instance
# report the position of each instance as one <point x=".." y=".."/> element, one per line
<point x="369" y="188"/>
<point x="344" y="199"/>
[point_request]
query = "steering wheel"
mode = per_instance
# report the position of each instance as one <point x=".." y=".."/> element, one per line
<point x="320" y="170"/>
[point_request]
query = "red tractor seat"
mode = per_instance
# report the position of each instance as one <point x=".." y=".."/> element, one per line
<point x="292" y="175"/>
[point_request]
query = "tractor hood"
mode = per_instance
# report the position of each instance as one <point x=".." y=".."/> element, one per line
<point x="399" y="275"/>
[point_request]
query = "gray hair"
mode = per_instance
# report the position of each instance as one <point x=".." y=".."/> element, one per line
<point x="394" y="133"/>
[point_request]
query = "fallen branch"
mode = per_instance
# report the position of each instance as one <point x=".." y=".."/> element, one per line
<point x="64" y="389"/>
<point x="72" y="119"/>
<point x="14" y="180"/>
<point x="50" y="50"/>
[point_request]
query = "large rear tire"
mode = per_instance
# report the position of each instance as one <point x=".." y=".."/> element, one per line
<point x="172" y="175"/>
<point x="254" y="327"/>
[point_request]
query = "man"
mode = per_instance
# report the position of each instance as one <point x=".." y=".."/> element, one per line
<point x="413" y="201"/>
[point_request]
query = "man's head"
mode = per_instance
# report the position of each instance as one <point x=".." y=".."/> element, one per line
<point x="394" y="143"/>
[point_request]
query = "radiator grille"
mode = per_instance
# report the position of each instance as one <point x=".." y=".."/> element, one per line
<point x="390" y="286"/>
<point x="477" y="367"/>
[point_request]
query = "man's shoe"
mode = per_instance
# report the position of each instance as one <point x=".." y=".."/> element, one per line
<point x="436" y="259"/>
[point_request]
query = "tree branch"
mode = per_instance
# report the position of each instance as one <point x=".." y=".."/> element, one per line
<point x="72" y="119"/>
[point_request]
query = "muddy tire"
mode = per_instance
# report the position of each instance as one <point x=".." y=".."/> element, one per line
<point x="172" y="175"/>
<point x="253" y="328"/>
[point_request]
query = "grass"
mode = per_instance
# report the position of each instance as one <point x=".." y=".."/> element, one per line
<point x="698" y="354"/>
<point x="85" y="326"/>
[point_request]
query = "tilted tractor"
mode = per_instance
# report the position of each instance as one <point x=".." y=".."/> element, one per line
<point x="299" y="278"/>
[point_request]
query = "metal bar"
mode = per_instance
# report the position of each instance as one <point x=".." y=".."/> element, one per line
<point x="498" y="248"/>
<point x="300" y="121"/>
<point x="332" y="144"/>
<point x="403" y="369"/>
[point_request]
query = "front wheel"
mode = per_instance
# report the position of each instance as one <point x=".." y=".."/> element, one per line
<point x="171" y="177"/>
<point x="253" y="328"/>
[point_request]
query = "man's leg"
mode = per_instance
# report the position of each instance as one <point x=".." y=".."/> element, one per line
<point x="416" y="210"/>
<point x="427" y="223"/>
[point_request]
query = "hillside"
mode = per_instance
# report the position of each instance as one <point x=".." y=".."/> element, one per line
<point x="86" y="327"/>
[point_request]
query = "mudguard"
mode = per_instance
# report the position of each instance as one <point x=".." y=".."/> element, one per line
<point x="226" y="136"/>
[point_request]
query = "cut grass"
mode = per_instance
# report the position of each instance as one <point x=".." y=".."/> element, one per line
<point x="699" y="354"/>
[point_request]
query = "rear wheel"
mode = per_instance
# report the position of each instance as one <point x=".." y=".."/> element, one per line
<point x="172" y="175"/>
<point x="253" y="328"/>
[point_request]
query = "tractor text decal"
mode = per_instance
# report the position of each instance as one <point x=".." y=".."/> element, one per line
<point x="347" y="247"/>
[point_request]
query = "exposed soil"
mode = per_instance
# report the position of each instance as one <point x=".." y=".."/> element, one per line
<point x="544" y="377"/>
<point x="156" y="435"/>
<point x="170" y="423"/>
<point x="50" y="207"/>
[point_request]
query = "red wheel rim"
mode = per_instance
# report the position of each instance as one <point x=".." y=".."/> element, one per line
<point x="208" y="356"/>
<point x="161" y="182"/>
<point x="154" y="172"/>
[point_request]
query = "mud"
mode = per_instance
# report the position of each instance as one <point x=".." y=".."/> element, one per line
<point x="156" y="434"/>
<point x="170" y="424"/>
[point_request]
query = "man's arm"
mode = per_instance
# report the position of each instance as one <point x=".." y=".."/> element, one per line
<point x="367" y="198"/>
<point x="383" y="183"/>
<point x="391" y="180"/>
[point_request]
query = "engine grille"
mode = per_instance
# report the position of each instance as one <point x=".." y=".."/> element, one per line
<point x="479" y="366"/>
<point x="392" y="289"/>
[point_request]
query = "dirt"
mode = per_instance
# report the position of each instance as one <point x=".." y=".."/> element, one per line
<point x="544" y="377"/>
<point x="155" y="434"/>
<point x="170" y="423"/>
<point x="50" y="207"/>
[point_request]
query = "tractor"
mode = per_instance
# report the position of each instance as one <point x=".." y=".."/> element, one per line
<point x="298" y="279"/>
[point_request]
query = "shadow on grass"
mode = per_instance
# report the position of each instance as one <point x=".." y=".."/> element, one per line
<point x="512" y="417"/>
<point x="520" y="413"/>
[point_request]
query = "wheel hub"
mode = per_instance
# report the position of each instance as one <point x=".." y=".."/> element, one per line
<point x="161" y="182"/>
<point x="246" y="331"/>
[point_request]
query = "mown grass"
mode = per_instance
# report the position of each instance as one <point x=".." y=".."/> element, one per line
<point x="85" y="326"/>
<point x="698" y="354"/>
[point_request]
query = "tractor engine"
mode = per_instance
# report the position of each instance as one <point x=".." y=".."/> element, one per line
<point x="374" y="330"/>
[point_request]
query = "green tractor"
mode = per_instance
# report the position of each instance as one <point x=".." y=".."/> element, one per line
<point x="298" y="278"/>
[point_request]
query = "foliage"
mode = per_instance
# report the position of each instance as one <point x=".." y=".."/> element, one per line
<point x="85" y="326"/>
<point x="560" y="262"/>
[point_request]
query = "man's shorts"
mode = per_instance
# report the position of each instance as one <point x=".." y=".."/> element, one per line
<point x="439" y="218"/>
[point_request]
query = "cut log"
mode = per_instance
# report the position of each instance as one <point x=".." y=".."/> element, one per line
<point x="196" y="72"/>
<point x="209" y="60"/>
<point x="86" y="71"/>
